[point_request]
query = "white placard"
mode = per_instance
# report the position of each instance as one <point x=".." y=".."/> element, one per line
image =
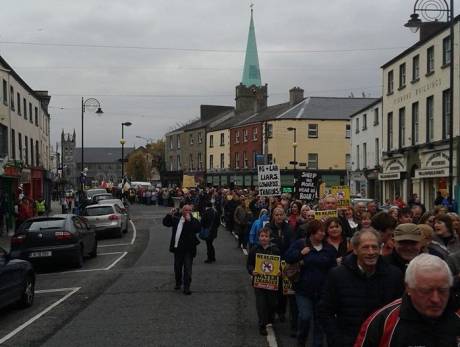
<point x="269" y="180"/>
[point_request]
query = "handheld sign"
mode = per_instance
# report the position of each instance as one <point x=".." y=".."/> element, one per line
<point x="308" y="186"/>
<point x="325" y="214"/>
<point x="342" y="194"/>
<point x="267" y="271"/>
<point x="269" y="180"/>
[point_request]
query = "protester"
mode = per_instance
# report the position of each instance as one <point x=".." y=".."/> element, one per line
<point x="335" y="238"/>
<point x="385" y="225"/>
<point x="445" y="235"/>
<point x="404" y="215"/>
<point x="372" y="208"/>
<point x="40" y="206"/>
<point x="266" y="300"/>
<point x="293" y="218"/>
<point x="417" y="212"/>
<point x="257" y="226"/>
<point x="210" y="221"/>
<point x="241" y="219"/>
<point x="360" y="285"/>
<point x="423" y="317"/>
<point x="317" y="257"/>
<point x="183" y="244"/>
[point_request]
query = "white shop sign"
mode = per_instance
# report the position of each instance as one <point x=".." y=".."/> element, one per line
<point x="427" y="173"/>
<point x="389" y="176"/>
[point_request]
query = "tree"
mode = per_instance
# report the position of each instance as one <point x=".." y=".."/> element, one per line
<point x="157" y="151"/>
<point x="136" y="167"/>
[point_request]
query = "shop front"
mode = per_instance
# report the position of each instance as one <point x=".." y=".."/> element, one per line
<point x="394" y="179"/>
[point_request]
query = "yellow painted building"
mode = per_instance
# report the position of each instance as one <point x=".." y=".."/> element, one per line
<point x="218" y="150"/>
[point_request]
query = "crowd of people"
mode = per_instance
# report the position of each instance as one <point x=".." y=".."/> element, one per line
<point x="361" y="272"/>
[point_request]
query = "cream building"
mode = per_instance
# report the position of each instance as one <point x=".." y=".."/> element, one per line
<point x="416" y="110"/>
<point x="218" y="150"/>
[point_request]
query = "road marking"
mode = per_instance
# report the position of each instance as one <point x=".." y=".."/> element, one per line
<point x="109" y="253"/>
<point x="271" y="337"/>
<point x="53" y="290"/>
<point x="126" y="243"/>
<point x="244" y="250"/>
<point x="116" y="261"/>
<point x="39" y="315"/>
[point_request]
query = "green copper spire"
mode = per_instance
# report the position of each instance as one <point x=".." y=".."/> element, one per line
<point x="251" y="72"/>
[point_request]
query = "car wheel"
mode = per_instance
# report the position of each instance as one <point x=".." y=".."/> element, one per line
<point x="93" y="253"/>
<point x="28" y="293"/>
<point x="78" y="261"/>
<point x="119" y="233"/>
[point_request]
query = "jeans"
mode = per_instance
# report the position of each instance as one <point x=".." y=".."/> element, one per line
<point x="307" y="313"/>
<point x="183" y="269"/>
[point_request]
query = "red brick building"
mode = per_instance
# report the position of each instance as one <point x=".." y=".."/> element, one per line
<point x="245" y="143"/>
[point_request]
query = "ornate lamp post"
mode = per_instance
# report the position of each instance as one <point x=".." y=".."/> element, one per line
<point x="439" y="11"/>
<point x="122" y="141"/>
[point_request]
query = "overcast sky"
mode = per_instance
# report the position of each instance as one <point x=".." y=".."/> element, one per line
<point x="167" y="57"/>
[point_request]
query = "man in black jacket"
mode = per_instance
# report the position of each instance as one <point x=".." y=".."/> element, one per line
<point x="423" y="317"/>
<point x="210" y="220"/>
<point x="183" y="244"/>
<point x="356" y="288"/>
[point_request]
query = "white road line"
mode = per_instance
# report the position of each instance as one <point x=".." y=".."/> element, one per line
<point x="109" y="253"/>
<point x="245" y="251"/>
<point x="113" y="245"/>
<point x="126" y="243"/>
<point x="34" y="318"/>
<point x="134" y="232"/>
<point x="271" y="337"/>
<point x="53" y="290"/>
<point x="116" y="261"/>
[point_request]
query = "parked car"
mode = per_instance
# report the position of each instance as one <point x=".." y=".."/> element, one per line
<point x="123" y="206"/>
<point x="99" y="197"/>
<point x="59" y="238"/>
<point x="17" y="281"/>
<point x="91" y="192"/>
<point x="106" y="219"/>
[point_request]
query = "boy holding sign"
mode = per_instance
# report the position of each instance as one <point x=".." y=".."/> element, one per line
<point x="263" y="265"/>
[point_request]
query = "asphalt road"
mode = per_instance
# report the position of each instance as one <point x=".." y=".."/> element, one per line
<point x="125" y="297"/>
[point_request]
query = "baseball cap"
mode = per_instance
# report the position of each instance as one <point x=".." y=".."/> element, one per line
<point x="407" y="232"/>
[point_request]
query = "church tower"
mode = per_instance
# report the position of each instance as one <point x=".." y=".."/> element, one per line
<point x="251" y="95"/>
<point x="68" y="143"/>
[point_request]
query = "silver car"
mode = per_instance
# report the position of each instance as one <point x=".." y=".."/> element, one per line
<point x="106" y="219"/>
<point x="124" y="207"/>
<point x="91" y="192"/>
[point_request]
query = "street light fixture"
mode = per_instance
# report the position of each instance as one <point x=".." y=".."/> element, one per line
<point x="90" y="103"/>
<point x="439" y="11"/>
<point x="122" y="141"/>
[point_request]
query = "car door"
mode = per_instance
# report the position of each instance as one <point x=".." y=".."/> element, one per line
<point x="10" y="276"/>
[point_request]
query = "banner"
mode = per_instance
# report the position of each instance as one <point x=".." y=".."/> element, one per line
<point x="325" y="214"/>
<point x="269" y="180"/>
<point x="188" y="181"/>
<point x="307" y="190"/>
<point x="342" y="194"/>
<point x="267" y="271"/>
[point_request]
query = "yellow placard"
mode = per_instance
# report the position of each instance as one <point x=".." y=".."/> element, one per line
<point x="188" y="181"/>
<point x="325" y="214"/>
<point x="342" y="194"/>
<point x="288" y="288"/>
<point x="267" y="271"/>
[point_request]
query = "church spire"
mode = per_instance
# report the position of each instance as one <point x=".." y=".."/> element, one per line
<point x="251" y="72"/>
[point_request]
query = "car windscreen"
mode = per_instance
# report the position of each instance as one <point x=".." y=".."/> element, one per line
<point x="39" y="225"/>
<point x="102" y="197"/>
<point x="91" y="193"/>
<point x="99" y="211"/>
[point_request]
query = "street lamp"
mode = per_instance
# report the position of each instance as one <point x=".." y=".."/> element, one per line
<point x="294" y="145"/>
<point x="435" y="11"/>
<point x="122" y="141"/>
<point x="90" y="103"/>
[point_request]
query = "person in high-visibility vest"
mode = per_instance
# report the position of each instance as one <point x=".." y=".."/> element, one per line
<point x="40" y="206"/>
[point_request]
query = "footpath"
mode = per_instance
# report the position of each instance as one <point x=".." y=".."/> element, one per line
<point x="6" y="236"/>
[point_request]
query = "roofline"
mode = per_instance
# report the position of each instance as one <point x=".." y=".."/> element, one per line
<point x="370" y="105"/>
<point x="418" y="44"/>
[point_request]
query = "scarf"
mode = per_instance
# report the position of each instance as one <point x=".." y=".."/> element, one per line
<point x="179" y="231"/>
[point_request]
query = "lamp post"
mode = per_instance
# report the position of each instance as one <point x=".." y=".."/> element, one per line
<point x="294" y="145"/>
<point x="90" y="103"/>
<point x="434" y="11"/>
<point x="122" y="141"/>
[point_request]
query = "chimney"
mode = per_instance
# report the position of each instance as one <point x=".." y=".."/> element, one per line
<point x="295" y="95"/>
<point x="427" y="29"/>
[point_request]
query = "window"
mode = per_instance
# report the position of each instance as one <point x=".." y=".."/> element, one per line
<point x="13" y="144"/>
<point x="36" y="116"/>
<point x="171" y="143"/>
<point x="377" y="152"/>
<point x="254" y="134"/>
<point x="376" y="116"/>
<point x="402" y="127"/>
<point x="211" y="141"/>
<point x="245" y="160"/>
<point x="18" y="97"/>
<point x="222" y="160"/>
<point x="200" y="161"/>
<point x="37" y="156"/>
<point x="270" y="158"/>
<point x="269" y="131"/>
<point x="357" y="158"/>
<point x="312" y="130"/>
<point x="364" y="121"/>
<point x="12" y="98"/>
<point x="357" y="125"/>
<point x="32" y="160"/>
<point x="446" y="109"/>
<point x="402" y="75"/>
<point x="245" y="135"/>
<point x="348" y="162"/>
<point x="191" y="139"/>
<point x="5" y="92"/>
<point x="415" y="68"/>
<point x="446" y="51"/>
<point x="178" y="141"/>
<point x="430" y="60"/>
<point x="30" y="113"/>
<point x="211" y="161"/>
<point x="222" y="139"/>
<point x="190" y="162"/>
<point x="171" y="164"/>
<point x="415" y="123"/>
<point x="429" y="119"/>
<point x="26" y="149"/>
<point x="178" y="163"/>
<point x="364" y="155"/>
<point x="237" y="137"/>
<point x="313" y="161"/>
<point x="25" y="107"/>
<point x="390" y="82"/>
<point x="200" y="137"/>
<point x="390" y="131"/>
<point x="237" y="160"/>
<point x="347" y="131"/>
<point x="254" y="159"/>
<point x="20" y="146"/>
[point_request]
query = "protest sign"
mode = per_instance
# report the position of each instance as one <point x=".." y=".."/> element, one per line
<point x="342" y="194"/>
<point x="269" y="180"/>
<point x="307" y="186"/>
<point x="288" y="288"/>
<point x="267" y="271"/>
<point x="325" y="214"/>
<point x="188" y="181"/>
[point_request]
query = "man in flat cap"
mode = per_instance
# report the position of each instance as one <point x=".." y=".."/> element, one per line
<point x="408" y="245"/>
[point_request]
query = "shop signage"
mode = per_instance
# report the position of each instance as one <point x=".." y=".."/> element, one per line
<point x="441" y="172"/>
<point x="389" y="176"/>
<point x="418" y="92"/>
<point x="357" y="176"/>
<point x="395" y="165"/>
<point x="437" y="159"/>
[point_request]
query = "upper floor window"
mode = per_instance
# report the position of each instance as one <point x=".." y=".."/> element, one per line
<point x="191" y="139"/>
<point x="269" y="131"/>
<point x="222" y="160"/>
<point x="245" y="160"/>
<point x="31" y="119"/>
<point x="211" y="141"/>
<point x="222" y="139"/>
<point x="5" y="92"/>
<point x="18" y="97"/>
<point x="402" y="127"/>
<point x="402" y="75"/>
<point x="376" y="116"/>
<point x="446" y="110"/>
<point x="254" y="134"/>
<point x="36" y="116"/>
<point x="415" y="123"/>
<point x="245" y="135"/>
<point x="178" y="141"/>
<point x="446" y="49"/>
<point x="25" y="107"/>
<point x="390" y="87"/>
<point x="390" y="131"/>
<point x="200" y="137"/>
<point x="364" y="121"/>
<point x="430" y="60"/>
<point x="171" y="143"/>
<point x="12" y="98"/>
<point x="313" y="161"/>
<point x="237" y="160"/>
<point x="357" y="125"/>
<point x="415" y="68"/>
<point x="211" y="161"/>
<point x="347" y="131"/>
<point x="312" y="130"/>
<point x="429" y="118"/>
<point x="237" y="137"/>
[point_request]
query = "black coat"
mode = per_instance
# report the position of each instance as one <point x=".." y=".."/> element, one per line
<point x="210" y="220"/>
<point x="188" y="240"/>
<point x="282" y="236"/>
<point x="349" y="297"/>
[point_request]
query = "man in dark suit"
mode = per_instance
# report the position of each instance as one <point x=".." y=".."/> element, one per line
<point x="183" y="244"/>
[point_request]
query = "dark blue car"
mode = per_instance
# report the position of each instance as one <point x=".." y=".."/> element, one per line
<point x="17" y="281"/>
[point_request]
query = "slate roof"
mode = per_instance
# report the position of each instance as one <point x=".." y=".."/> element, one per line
<point x="326" y="108"/>
<point x="101" y="154"/>
<point x="221" y="117"/>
